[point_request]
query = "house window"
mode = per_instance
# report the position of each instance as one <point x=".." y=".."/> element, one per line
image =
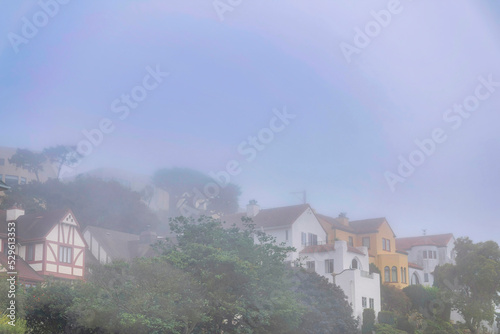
<point x="425" y="254"/>
<point x="366" y="242"/>
<point x="329" y="266"/>
<point x="363" y="302"/>
<point x="312" y="239"/>
<point x="351" y="241"/>
<point x="303" y="238"/>
<point x="388" y="244"/>
<point x="286" y="235"/>
<point x="311" y="265"/>
<point x="354" y="264"/>
<point x="23" y="180"/>
<point x="426" y="277"/>
<point x="65" y="254"/>
<point x="435" y="254"/>
<point x="387" y="274"/>
<point x="372" y="303"/>
<point x="406" y="277"/>
<point x="402" y="275"/>
<point x="394" y="274"/>
<point x="383" y="243"/>
<point x="30" y="252"/>
<point x="11" y="180"/>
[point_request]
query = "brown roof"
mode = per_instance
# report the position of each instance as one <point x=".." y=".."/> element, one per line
<point x="23" y="269"/>
<point x="269" y="218"/>
<point x="328" y="248"/>
<point x="439" y="240"/>
<point x="414" y="265"/>
<point x="334" y="223"/>
<point x="367" y="225"/>
<point x="36" y="225"/>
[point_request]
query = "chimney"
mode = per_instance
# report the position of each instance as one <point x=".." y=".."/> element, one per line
<point x="14" y="213"/>
<point x="342" y="218"/>
<point x="252" y="208"/>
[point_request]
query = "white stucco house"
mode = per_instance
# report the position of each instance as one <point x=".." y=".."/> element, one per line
<point x="298" y="226"/>
<point x="427" y="252"/>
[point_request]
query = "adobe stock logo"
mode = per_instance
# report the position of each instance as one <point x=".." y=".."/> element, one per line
<point x="30" y="28"/>
<point x="427" y="146"/>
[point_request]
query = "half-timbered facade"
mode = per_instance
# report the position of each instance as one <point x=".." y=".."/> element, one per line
<point x="50" y="242"/>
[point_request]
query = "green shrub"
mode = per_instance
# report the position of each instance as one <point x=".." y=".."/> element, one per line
<point x="387" y="329"/>
<point x="19" y="328"/>
<point x="403" y="323"/>
<point x="368" y="320"/>
<point x="386" y="317"/>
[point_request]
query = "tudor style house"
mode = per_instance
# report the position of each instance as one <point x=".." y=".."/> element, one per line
<point x="49" y="244"/>
<point x="427" y="252"/>
<point x="347" y="266"/>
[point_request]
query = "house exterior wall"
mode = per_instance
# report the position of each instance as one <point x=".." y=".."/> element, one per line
<point x="444" y="255"/>
<point x="305" y="223"/>
<point x="64" y="234"/>
<point x="356" y="283"/>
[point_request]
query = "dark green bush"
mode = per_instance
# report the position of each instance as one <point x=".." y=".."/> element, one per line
<point x="368" y="321"/>
<point x="386" y="317"/>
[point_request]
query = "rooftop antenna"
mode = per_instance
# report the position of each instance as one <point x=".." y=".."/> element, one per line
<point x="424" y="231"/>
<point x="304" y="195"/>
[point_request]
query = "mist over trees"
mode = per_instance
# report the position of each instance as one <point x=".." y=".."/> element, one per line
<point x="192" y="192"/>
<point x="94" y="201"/>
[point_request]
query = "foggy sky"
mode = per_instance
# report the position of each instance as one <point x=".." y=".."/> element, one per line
<point x="228" y="79"/>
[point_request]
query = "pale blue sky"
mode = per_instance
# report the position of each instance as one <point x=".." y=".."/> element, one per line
<point x="352" y="121"/>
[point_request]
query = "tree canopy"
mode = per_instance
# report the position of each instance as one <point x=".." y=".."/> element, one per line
<point x="93" y="201"/>
<point x="473" y="283"/>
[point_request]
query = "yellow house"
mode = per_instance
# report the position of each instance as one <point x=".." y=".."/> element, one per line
<point x="377" y="235"/>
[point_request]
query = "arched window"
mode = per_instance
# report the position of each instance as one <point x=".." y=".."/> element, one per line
<point x="354" y="264"/>
<point x="394" y="274"/>
<point x="414" y="279"/>
<point x="387" y="274"/>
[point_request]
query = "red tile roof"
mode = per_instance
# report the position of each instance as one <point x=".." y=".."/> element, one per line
<point x="439" y="240"/>
<point x="415" y="266"/>
<point x="328" y="248"/>
<point x="24" y="271"/>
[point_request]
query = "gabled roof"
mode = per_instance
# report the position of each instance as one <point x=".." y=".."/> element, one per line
<point x="269" y="218"/>
<point x="439" y="240"/>
<point x="368" y="225"/>
<point x="327" y="248"/>
<point x="38" y="225"/>
<point x="23" y="269"/>
<point x="120" y="245"/>
<point x="334" y="223"/>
